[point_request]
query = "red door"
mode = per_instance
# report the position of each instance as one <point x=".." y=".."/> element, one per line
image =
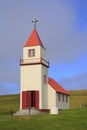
<point x="23" y="99"/>
<point x="37" y="99"/>
<point x="30" y="99"/>
<point x="26" y="99"/>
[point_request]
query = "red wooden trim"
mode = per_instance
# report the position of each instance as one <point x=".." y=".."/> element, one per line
<point x="23" y="99"/>
<point x="33" y="64"/>
<point x="37" y="99"/>
<point x="41" y="61"/>
<point x="44" y="110"/>
<point x="28" y="99"/>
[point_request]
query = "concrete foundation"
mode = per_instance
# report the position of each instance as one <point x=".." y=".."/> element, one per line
<point x="31" y="111"/>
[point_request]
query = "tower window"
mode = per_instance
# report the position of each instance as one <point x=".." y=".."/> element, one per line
<point x="45" y="79"/>
<point x="31" y="52"/>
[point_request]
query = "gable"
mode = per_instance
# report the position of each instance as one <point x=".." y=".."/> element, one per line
<point x="57" y="87"/>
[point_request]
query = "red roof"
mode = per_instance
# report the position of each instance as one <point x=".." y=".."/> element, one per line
<point x="34" y="39"/>
<point x="57" y="86"/>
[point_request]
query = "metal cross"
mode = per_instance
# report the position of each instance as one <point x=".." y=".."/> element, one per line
<point x="34" y="21"/>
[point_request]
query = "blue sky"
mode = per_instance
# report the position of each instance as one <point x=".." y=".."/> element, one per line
<point x="62" y="28"/>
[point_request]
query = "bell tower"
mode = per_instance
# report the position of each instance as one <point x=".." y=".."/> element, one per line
<point x="34" y="73"/>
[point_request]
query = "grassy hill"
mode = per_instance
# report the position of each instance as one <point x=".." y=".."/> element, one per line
<point x="73" y="119"/>
<point x="78" y="99"/>
<point x="9" y="102"/>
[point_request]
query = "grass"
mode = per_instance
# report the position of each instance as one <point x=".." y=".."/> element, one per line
<point x="9" y="102"/>
<point x="78" y="98"/>
<point x="73" y="119"/>
<point x="66" y="120"/>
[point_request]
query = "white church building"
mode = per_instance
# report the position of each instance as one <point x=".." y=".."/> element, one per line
<point x="37" y="89"/>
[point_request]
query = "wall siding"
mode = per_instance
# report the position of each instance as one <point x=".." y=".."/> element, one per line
<point x="62" y="104"/>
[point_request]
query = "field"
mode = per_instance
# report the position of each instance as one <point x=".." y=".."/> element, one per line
<point x="78" y="99"/>
<point x="73" y="119"/>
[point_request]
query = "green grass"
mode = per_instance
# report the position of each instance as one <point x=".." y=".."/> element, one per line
<point x="65" y="120"/>
<point x="9" y="102"/>
<point x="73" y="119"/>
<point x="78" y="98"/>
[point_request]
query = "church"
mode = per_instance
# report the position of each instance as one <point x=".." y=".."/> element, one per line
<point x="37" y="89"/>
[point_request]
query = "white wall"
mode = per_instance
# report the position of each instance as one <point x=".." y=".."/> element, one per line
<point x="39" y="52"/>
<point x="44" y="87"/>
<point x="31" y="76"/>
<point x="43" y="53"/>
<point x="51" y="97"/>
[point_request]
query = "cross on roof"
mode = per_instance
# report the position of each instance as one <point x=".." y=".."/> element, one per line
<point x="34" y="21"/>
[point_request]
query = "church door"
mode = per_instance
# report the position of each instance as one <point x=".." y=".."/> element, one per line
<point x="30" y="99"/>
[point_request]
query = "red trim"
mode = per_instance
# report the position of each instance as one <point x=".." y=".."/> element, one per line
<point x="24" y="100"/>
<point x="44" y="110"/>
<point x="28" y="99"/>
<point x="37" y="99"/>
<point x="24" y="64"/>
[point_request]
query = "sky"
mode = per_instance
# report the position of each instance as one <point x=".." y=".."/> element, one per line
<point x="62" y="28"/>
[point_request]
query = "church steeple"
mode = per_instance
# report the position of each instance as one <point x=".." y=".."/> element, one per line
<point x="34" y="39"/>
<point x="34" y="73"/>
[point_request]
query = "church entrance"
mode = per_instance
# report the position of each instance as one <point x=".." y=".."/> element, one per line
<point x="30" y="99"/>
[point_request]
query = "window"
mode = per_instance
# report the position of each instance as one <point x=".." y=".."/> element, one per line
<point x="31" y="52"/>
<point x="62" y="97"/>
<point x="45" y="79"/>
<point x="59" y="98"/>
<point x="66" y="98"/>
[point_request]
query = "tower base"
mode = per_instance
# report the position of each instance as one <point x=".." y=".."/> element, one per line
<point x="30" y="111"/>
